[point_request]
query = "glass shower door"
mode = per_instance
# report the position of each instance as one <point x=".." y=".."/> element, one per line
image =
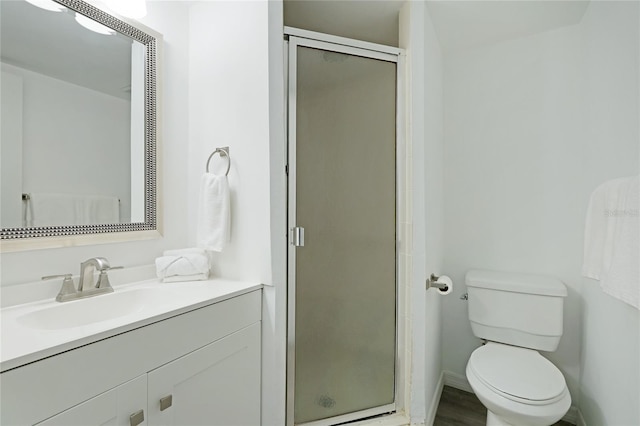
<point x="342" y="192"/>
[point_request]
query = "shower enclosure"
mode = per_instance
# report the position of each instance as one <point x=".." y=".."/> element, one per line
<point x="342" y="292"/>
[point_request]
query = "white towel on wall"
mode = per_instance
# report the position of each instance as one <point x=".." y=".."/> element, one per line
<point x="599" y="229"/>
<point x="52" y="209"/>
<point x="57" y="209"/>
<point x="612" y="239"/>
<point x="100" y="209"/>
<point x="214" y="215"/>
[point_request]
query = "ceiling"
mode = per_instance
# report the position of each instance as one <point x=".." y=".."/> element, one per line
<point x="464" y="25"/>
<point x="54" y="44"/>
<point x="459" y="24"/>
<point x="63" y="49"/>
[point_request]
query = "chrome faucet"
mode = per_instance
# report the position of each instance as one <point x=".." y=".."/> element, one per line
<point x="86" y="286"/>
<point x="88" y="268"/>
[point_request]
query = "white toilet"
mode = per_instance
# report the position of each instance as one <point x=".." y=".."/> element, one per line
<point x="518" y="315"/>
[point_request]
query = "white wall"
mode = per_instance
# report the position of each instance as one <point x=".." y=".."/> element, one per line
<point x="236" y="91"/>
<point x="434" y="209"/>
<point x="514" y="142"/>
<point x="274" y="308"/>
<point x="412" y="236"/>
<point x="170" y="19"/>
<point x="423" y="225"/>
<point x="229" y="106"/>
<point x="532" y="126"/>
<point x="92" y="157"/>
<point x="610" y="373"/>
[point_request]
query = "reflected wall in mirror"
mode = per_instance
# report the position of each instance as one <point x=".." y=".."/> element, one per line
<point x="78" y="121"/>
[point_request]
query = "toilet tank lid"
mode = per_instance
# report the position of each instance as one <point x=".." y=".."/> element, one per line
<point x="516" y="282"/>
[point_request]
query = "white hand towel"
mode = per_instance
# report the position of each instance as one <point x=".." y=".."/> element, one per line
<point x="101" y="209"/>
<point x="612" y="234"/>
<point x="622" y="279"/>
<point x="213" y="212"/>
<point x="49" y="209"/>
<point x="186" y="267"/>
<point x="599" y="230"/>
<point x="52" y="209"/>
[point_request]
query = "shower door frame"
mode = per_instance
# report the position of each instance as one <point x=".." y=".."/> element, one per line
<point x="310" y="39"/>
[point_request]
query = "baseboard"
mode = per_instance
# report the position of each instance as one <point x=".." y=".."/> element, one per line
<point x="580" y="419"/>
<point x="457" y="381"/>
<point x="433" y="406"/>
<point x="572" y="415"/>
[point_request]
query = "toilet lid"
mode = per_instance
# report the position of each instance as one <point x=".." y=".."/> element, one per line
<point x="517" y="372"/>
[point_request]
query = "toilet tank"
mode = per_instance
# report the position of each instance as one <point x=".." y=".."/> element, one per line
<point x="516" y="309"/>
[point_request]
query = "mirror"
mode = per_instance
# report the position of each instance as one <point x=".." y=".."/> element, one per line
<point x="78" y="121"/>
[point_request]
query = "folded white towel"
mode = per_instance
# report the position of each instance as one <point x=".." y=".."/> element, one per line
<point x="213" y="213"/>
<point x="612" y="234"/>
<point x="182" y="278"/>
<point x="186" y="267"/>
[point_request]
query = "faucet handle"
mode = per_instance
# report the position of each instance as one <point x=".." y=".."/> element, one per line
<point x="68" y="287"/>
<point x="113" y="267"/>
<point x="103" y="278"/>
<point x="51" y="277"/>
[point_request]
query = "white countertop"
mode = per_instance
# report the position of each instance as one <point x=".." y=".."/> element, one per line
<point x="24" y="340"/>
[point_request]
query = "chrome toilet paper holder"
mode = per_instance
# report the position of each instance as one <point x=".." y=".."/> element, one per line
<point x="433" y="282"/>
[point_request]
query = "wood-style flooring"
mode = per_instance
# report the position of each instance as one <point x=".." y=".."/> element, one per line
<point x="460" y="408"/>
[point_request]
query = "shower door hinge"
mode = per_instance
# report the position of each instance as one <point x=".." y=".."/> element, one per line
<point x="297" y="236"/>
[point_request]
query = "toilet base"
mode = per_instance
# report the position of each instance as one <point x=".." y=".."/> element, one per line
<point x="493" y="420"/>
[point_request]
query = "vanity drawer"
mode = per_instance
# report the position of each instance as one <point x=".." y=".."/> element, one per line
<point x="44" y="388"/>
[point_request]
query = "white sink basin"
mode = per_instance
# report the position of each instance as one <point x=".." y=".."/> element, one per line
<point x="36" y="330"/>
<point x="95" y="309"/>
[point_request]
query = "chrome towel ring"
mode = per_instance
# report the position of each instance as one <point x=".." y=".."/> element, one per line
<point x="224" y="152"/>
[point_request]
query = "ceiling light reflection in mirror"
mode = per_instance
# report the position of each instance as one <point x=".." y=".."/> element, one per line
<point x="47" y="5"/>
<point x="134" y="9"/>
<point x="92" y="25"/>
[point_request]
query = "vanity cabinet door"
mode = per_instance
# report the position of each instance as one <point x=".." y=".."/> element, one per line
<point x="217" y="385"/>
<point x="114" y="408"/>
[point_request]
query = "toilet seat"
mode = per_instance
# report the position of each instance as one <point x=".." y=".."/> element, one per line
<point x="518" y="374"/>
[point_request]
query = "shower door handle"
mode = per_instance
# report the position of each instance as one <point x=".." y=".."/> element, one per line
<point x="297" y="236"/>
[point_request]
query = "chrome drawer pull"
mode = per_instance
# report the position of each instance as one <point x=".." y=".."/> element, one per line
<point x="136" y="418"/>
<point x="166" y="402"/>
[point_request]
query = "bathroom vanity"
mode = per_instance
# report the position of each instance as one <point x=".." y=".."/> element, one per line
<point x="156" y="353"/>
